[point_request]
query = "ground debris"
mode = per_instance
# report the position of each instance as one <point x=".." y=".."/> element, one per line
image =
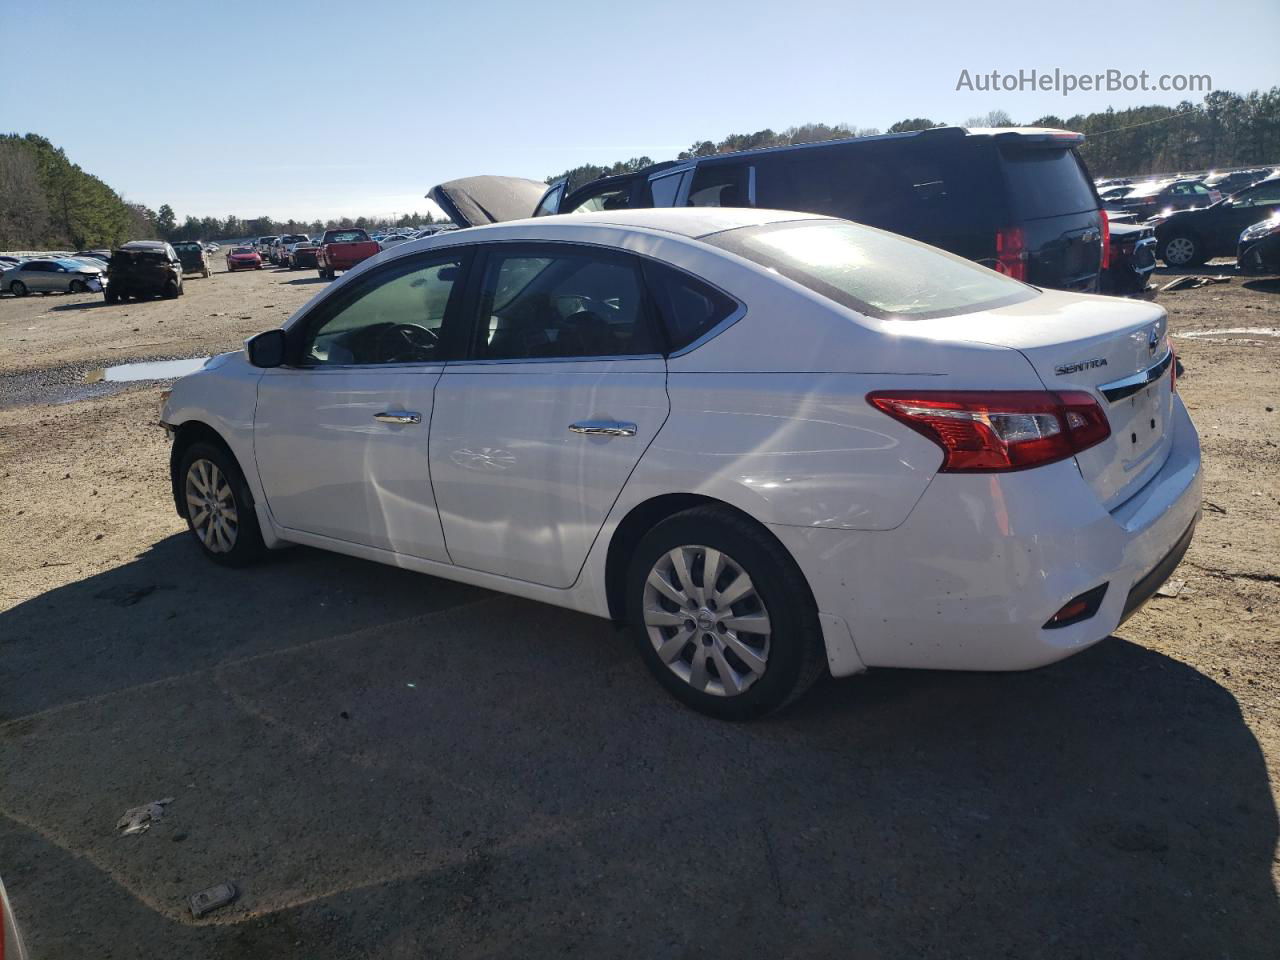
<point x="139" y="819"/>
<point x="1171" y="588"/>
<point x="1192" y="282"/>
<point x="211" y="898"/>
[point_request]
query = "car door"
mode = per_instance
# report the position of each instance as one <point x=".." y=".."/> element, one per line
<point x="37" y="275"/>
<point x="537" y="430"/>
<point x="340" y="433"/>
<point x="1243" y="210"/>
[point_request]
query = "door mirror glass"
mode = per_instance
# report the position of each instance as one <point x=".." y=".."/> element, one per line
<point x="266" y="349"/>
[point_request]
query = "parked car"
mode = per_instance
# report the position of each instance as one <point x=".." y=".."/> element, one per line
<point x="1111" y="194"/>
<point x="1131" y="259"/>
<point x="1019" y="200"/>
<point x="1259" y="248"/>
<point x="1187" y="238"/>
<point x="101" y="254"/>
<point x="753" y="435"/>
<point x="342" y="250"/>
<point x="192" y="255"/>
<point x="243" y="258"/>
<point x="51" y="276"/>
<point x="263" y="245"/>
<point x="212" y="247"/>
<point x="1147" y="200"/>
<point x="143" y="269"/>
<point x="11" y="946"/>
<point x="279" y="247"/>
<point x="391" y="239"/>
<point x="302" y="254"/>
<point x="1234" y="182"/>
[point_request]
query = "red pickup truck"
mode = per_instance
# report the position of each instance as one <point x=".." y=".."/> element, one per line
<point x="342" y="250"/>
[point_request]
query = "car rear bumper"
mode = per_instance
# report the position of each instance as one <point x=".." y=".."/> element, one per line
<point x="983" y="562"/>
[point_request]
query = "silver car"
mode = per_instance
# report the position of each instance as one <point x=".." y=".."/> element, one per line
<point x="52" y="276"/>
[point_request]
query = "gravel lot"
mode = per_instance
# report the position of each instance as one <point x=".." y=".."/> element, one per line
<point x="390" y="765"/>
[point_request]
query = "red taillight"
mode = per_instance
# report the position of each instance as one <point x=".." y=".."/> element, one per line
<point x="1011" y="252"/>
<point x="998" y="430"/>
<point x="1106" y="239"/>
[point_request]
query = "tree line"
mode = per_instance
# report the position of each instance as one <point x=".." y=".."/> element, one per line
<point x="1225" y="130"/>
<point x="48" y="202"/>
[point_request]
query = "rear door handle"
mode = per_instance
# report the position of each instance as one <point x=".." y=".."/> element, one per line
<point x="603" y="428"/>
<point x="404" y="416"/>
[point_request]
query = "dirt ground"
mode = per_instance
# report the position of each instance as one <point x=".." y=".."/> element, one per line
<point x="390" y="765"/>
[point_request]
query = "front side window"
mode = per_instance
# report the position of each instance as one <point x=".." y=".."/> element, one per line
<point x="871" y="271"/>
<point x="665" y="190"/>
<point x="538" y="304"/>
<point x="394" y="316"/>
<point x="550" y="202"/>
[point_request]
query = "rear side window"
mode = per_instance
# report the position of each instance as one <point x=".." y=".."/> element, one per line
<point x="941" y="193"/>
<point x="1045" y="182"/>
<point x="542" y="303"/>
<point x="719" y="185"/>
<point x="873" y="272"/>
<point x="688" y="308"/>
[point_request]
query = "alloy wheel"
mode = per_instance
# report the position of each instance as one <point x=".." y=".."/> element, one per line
<point x="211" y="505"/>
<point x="1179" y="251"/>
<point x="706" y="620"/>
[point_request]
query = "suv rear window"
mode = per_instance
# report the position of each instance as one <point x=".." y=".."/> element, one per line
<point x="1046" y="182"/>
<point x="872" y="271"/>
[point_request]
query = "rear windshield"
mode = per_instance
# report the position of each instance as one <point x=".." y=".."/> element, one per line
<point x="871" y="271"/>
<point x="1046" y="182"/>
<point x="345" y="236"/>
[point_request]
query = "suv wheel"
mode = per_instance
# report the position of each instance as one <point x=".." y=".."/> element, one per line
<point x="171" y="289"/>
<point x="218" y="506"/>
<point x="722" y="616"/>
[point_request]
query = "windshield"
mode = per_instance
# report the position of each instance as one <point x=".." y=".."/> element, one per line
<point x="871" y="271"/>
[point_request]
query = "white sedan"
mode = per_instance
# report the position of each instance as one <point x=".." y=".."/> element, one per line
<point x="776" y="445"/>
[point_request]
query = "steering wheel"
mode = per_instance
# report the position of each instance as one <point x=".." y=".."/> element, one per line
<point x="406" y="343"/>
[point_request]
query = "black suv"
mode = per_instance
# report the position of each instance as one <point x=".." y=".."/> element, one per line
<point x="1019" y="200"/>
<point x="143" y="269"/>
<point x="1187" y="238"/>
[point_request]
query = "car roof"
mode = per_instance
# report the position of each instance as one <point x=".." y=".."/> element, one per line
<point x="692" y="222"/>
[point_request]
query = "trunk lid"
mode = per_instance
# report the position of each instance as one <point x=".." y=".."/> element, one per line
<point x="475" y="201"/>
<point x="1117" y="350"/>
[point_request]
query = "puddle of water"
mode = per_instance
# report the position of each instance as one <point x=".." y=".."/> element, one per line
<point x="1214" y="335"/>
<point x="147" y="370"/>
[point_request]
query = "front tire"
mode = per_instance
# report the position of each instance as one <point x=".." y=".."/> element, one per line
<point x="18" y="288"/>
<point x="722" y="616"/>
<point x="171" y="290"/>
<point x="78" y="286"/>
<point x="218" y="506"/>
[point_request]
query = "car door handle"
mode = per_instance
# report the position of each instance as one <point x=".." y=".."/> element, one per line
<point x="398" y="417"/>
<point x="603" y="428"/>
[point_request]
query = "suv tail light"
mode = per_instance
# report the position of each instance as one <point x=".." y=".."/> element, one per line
<point x="1011" y="252"/>
<point x="1106" y="240"/>
<point x="993" y="431"/>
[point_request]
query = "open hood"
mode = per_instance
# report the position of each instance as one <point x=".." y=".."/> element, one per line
<point x="474" y="201"/>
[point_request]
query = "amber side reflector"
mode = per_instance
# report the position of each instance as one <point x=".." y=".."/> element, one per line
<point x="1077" y="609"/>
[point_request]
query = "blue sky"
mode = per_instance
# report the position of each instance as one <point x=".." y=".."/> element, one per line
<point x="323" y="108"/>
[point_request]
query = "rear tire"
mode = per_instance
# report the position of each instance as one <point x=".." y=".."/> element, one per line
<point x="218" y="506"/>
<point x="753" y="618"/>
<point x="110" y="296"/>
<point x="171" y="290"/>
<point x="1183" y="250"/>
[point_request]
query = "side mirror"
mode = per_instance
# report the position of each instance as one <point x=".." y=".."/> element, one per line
<point x="266" y="349"/>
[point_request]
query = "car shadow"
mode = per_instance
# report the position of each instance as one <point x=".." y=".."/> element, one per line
<point x="1113" y="805"/>
<point x="303" y="281"/>
<point x="82" y="305"/>
<point x="1263" y="285"/>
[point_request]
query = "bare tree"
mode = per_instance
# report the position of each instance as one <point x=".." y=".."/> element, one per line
<point x="24" y="212"/>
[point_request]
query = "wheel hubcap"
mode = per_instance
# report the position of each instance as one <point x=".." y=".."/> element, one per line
<point x="211" y="506"/>
<point x="1179" y="250"/>
<point x="706" y="621"/>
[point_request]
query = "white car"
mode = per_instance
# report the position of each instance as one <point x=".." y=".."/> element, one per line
<point x="774" y="444"/>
